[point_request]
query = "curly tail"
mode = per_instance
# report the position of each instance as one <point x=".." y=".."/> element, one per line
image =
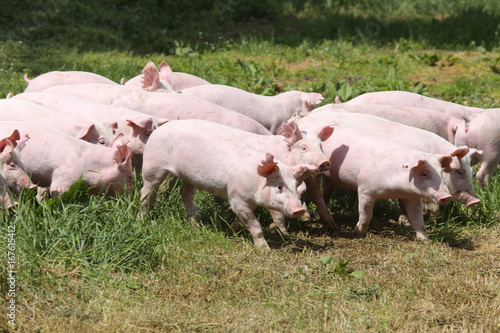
<point x="27" y="79"/>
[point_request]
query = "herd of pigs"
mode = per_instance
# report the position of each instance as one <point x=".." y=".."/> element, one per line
<point x="254" y="150"/>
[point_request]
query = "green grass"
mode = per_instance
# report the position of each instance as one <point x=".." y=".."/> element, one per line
<point x="87" y="264"/>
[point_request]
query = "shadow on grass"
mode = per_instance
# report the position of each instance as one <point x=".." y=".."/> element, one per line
<point x="447" y="228"/>
<point x="165" y="26"/>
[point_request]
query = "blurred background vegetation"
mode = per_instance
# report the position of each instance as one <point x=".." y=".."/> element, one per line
<point x="171" y="27"/>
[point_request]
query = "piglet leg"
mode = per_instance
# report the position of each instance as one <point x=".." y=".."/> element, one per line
<point x="247" y="217"/>
<point x="187" y="194"/>
<point x="315" y="194"/>
<point x="365" y="207"/>
<point x="414" y="211"/>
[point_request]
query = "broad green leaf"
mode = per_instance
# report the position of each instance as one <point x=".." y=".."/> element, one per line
<point x="326" y="259"/>
<point x="358" y="274"/>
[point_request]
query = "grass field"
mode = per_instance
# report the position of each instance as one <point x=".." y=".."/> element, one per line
<point x="87" y="264"/>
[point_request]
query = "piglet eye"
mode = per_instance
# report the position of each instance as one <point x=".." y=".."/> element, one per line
<point x="102" y="141"/>
<point x="12" y="164"/>
<point x="280" y="188"/>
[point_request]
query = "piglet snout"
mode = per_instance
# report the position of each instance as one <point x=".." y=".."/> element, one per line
<point x="445" y="199"/>
<point x="473" y="202"/>
<point x="298" y="213"/>
<point x="325" y="166"/>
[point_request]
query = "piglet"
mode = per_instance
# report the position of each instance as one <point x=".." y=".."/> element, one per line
<point x="378" y="169"/>
<point x="270" y="111"/>
<point x="408" y="99"/>
<point x="106" y="93"/>
<point x="57" y="161"/>
<point x="292" y="147"/>
<point x="7" y="200"/>
<point x="135" y="126"/>
<point x="482" y="132"/>
<point x="178" y="106"/>
<point x="205" y="155"/>
<point x="429" y="120"/>
<point x="458" y="181"/>
<point x="57" y="78"/>
<point x="12" y="169"/>
<point x="95" y="132"/>
<point x="176" y="80"/>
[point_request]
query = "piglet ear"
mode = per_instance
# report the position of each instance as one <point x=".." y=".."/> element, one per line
<point x="6" y="148"/>
<point x="310" y="100"/>
<point x="300" y="170"/>
<point x="324" y="133"/>
<point x="22" y="142"/>
<point x="445" y="161"/>
<point x="165" y="72"/>
<point x="14" y="136"/>
<point x="111" y="123"/>
<point x="83" y="128"/>
<point x="150" y="77"/>
<point x="119" y="140"/>
<point x="123" y="153"/>
<point x="416" y="161"/>
<point x="291" y="132"/>
<point x="161" y="121"/>
<point x="9" y="143"/>
<point x="474" y="151"/>
<point x="460" y="152"/>
<point x="142" y="122"/>
<point x="466" y="121"/>
<point x="268" y="167"/>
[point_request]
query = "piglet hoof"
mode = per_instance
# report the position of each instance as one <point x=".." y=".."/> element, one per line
<point x="305" y="217"/>
<point x="359" y="233"/>
<point x="283" y="232"/>
<point x="265" y="247"/>
<point x="236" y="226"/>
<point x="194" y="223"/>
<point x="41" y="194"/>
<point x="141" y="215"/>
<point x="281" y="228"/>
<point x="262" y="244"/>
<point x="421" y="237"/>
<point x="330" y="225"/>
<point x="403" y="220"/>
<point x="221" y="202"/>
<point x="431" y="208"/>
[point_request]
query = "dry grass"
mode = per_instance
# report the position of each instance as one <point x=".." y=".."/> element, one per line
<point x="415" y="288"/>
